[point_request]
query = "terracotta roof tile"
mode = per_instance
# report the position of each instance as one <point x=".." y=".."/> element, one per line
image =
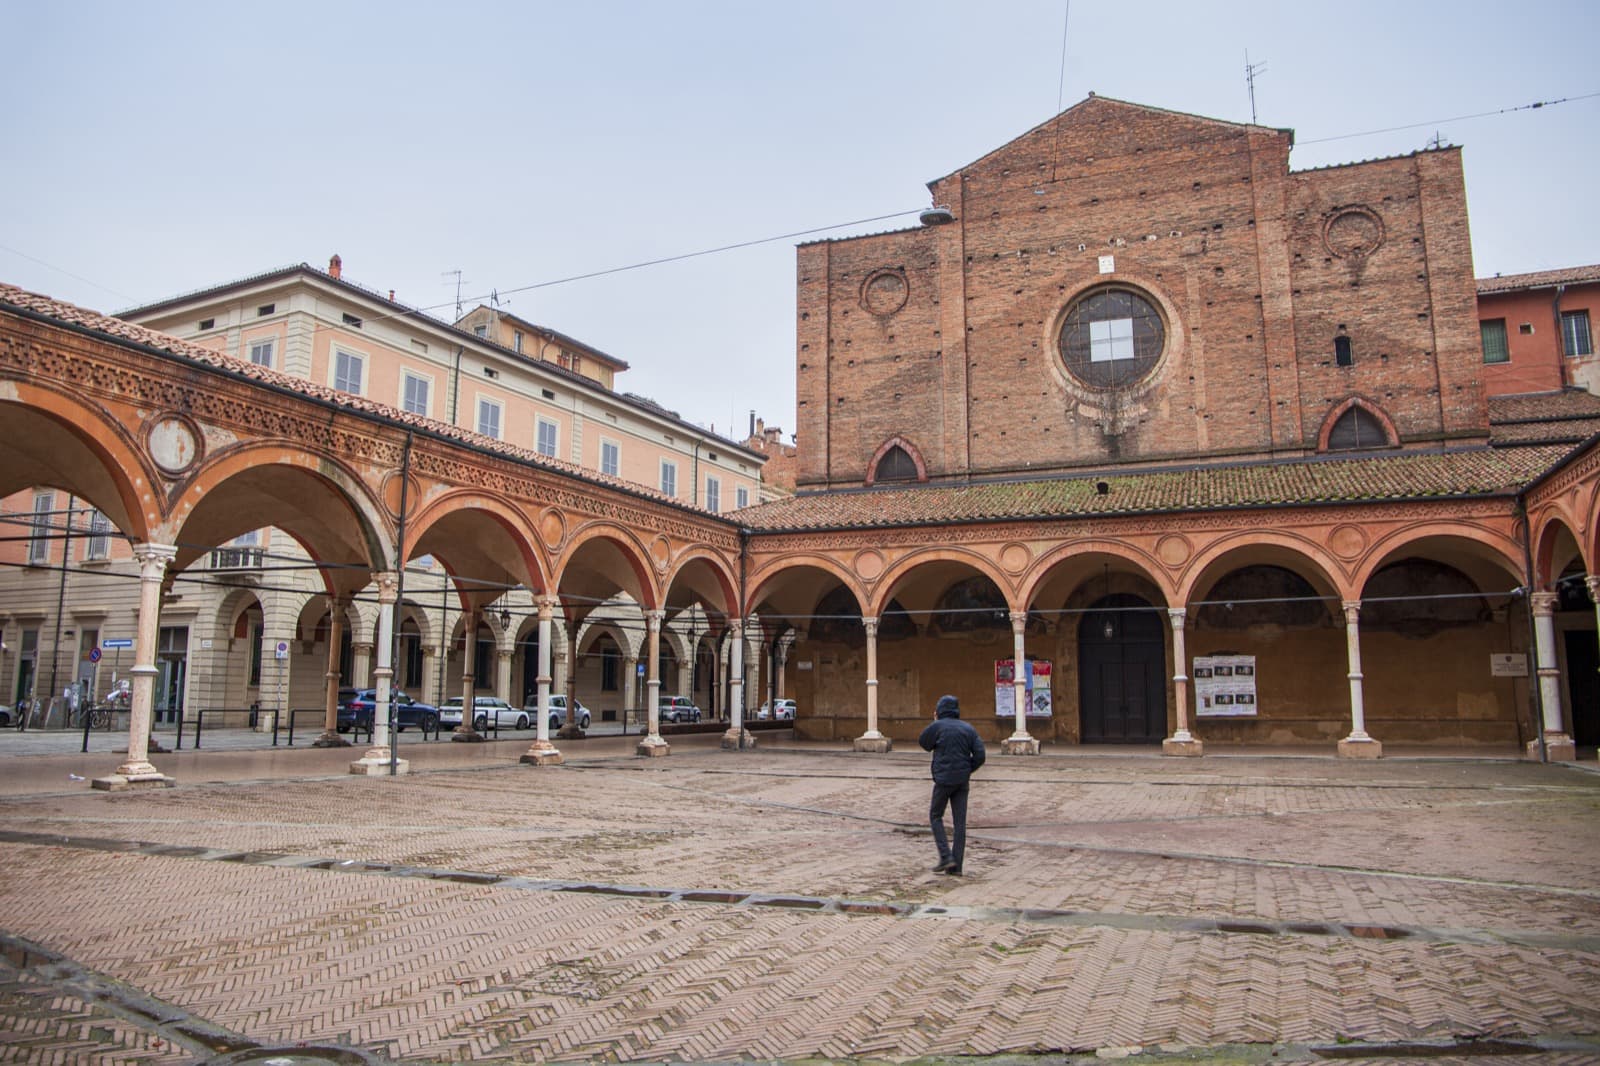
<point x="1543" y="406"/>
<point x="1539" y="279"/>
<point x="73" y="315"/>
<point x="1387" y="477"/>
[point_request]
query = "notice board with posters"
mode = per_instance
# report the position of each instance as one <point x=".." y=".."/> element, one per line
<point x="1037" y="674"/>
<point x="1224" y="686"/>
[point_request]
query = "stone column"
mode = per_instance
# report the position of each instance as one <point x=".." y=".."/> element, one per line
<point x="543" y="752"/>
<point x="872" y="740"/>
<point x="137" y="771"/>
<point x="1181" y="742"/>
<point x="570" y="729"/>
<point x="467" y="731"/>
<point x="630" y="684"/>
<point x="502" y="673"/>
<point x="1558" y="745"/>
<point x="653" y="745"/>
<point x="780" y="662"/>
<point x="1019" y="742"/>
<point x="361" y="663"/>
<point x="737" y="738"/>
<point x="330" y="737"/>
<point x="1357" y="745"/>
<point x="376" y="760"/>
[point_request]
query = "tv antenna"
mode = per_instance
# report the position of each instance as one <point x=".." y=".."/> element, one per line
<point x="457" y="273"/>
<point x="1250" y="72"/>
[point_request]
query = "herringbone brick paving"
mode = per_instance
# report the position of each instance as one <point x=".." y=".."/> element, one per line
<point x="434" y="970"/>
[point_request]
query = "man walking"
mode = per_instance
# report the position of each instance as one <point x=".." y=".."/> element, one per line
<point x="957" y="752"/>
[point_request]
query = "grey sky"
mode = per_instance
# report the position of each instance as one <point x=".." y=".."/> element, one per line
<point x="156" y="148"/>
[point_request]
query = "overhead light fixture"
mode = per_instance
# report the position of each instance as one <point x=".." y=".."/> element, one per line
<point x="937" y="215"/>
<point x="505" y="618"/>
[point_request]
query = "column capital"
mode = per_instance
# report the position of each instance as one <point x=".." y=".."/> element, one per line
<point x="547" y="607"/>
<point x="654" y="619"/>
<point x="153" y="559"/>
<point x="735" y="628"/>
<point x="1544" y="604"/>
<point x="1177" y="616"/>
<point x="1352" y="611"/>
<point x="872" y="625"/>
<point x="1019" y="621"/>
<point x="388" y="583"/>
<point x="1592" y="583"/>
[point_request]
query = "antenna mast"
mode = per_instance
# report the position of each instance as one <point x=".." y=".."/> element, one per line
<point x="1250" y="72"/>
<point x="457" y="273"/>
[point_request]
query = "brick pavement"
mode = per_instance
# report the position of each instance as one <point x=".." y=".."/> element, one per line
<point x="1270" y="903"/>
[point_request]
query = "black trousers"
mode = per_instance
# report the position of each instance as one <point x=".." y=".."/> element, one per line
<point x="955" y="796"/>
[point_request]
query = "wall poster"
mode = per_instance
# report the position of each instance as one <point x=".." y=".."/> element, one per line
<point x="1037" y="673"/>
<point x="1224" y="686"/>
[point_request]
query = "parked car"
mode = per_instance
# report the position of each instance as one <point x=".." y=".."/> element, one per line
<point x="777" y="709"/>
<point x="679" y="709"/>
<point x="6" y="715"/>
<point x="357" y="706"/>
<point x="558" y="711"/>
<point x="485" y="709"/>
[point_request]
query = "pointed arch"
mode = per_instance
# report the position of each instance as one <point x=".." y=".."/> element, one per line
<point x="897" y="459"/>
<point x="1350" y="424"/>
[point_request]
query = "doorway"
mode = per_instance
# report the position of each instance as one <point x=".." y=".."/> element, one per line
<point x="172" y="661"/>
<point x="1583" y="686"/>
<point x="1122" y="688"/>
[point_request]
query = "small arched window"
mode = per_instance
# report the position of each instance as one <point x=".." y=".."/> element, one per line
<point x="1357" y="428"/>
<point x="896" y="465"/>
<point x="1342" y="354"/>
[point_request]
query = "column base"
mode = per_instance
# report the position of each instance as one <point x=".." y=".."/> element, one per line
<point x="875" y="744"/>
<point x="738" y="740"/>
<point x="467" y="735"/>
<point x="653" y="747"/>
<point x="330" y="738"/>
<point x="571" y="732"/>
<point x="1353" y="747"/>
<point x="542" y="754"/>
<point x="1020" y="745"/>
<point x="375" y="763"/>
<point x="1187" y="746"/>
<point x="1558" y="747"/>
<point x="155" y="747"/>
<point x="129" y="778"/>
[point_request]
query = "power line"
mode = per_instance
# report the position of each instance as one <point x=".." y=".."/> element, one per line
<point x="1536" y="105"/>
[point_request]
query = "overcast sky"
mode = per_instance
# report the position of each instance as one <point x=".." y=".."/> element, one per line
<point x="157" y="148"/>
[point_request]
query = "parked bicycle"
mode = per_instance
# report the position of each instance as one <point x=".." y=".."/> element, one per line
<point x="97" y="718"/>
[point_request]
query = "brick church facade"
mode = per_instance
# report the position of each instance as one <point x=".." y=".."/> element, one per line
<point x="1137" y="398"/>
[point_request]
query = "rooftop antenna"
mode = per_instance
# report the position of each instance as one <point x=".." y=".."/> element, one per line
<point x="1437" y="141"/>
<point x="1250" y="72"/>
<point x="494" y="297"/>
<point x="457" y="274"/>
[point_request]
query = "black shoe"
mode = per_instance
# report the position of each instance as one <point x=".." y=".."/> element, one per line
<point x="944" y="866"/>
<point x="951" y="871"/>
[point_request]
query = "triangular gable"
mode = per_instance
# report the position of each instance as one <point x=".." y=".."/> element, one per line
<point x="1092" y="106"/>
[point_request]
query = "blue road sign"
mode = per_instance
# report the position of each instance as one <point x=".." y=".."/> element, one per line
<point x="117" y="642"/>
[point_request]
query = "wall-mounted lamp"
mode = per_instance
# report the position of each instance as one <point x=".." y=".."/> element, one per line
<point x="505" y="618"/>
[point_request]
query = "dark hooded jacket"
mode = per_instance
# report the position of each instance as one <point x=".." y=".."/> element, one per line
<point x="957" y="748"/>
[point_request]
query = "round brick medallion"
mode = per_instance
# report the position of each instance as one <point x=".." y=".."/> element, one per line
<point x="885" y="291"/>
<point x="1353" y="233"/>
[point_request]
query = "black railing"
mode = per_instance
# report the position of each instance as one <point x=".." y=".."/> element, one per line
<point x="237" y="558"/>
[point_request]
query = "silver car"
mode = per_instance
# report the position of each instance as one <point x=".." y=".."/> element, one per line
<point x="558" y="711"/>
<point x="484" y="710"/>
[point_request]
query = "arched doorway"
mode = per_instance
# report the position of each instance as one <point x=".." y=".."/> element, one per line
<point x="1122" y="689"/>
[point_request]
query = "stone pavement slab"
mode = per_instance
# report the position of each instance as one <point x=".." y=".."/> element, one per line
<point x="777" y="905"/>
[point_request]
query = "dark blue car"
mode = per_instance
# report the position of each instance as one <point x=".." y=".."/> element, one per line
<point x="356" y="706"/>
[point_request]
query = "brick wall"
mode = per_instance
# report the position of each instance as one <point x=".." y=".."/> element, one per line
<point x="946" y="336"/>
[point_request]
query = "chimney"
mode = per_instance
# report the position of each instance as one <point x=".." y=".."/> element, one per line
<point x="335" y="266"/>
<point x="391" y="296"/>
<point x="752" y="422"/>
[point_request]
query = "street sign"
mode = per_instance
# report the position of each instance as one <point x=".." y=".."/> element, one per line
<point x="117" y="642"/>
<point x="282" y="649"/>
<point x="94" y="655"/>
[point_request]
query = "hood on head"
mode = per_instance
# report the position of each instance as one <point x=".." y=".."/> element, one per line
<point x="947" y="707"/>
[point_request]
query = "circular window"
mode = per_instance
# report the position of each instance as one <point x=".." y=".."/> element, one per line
<point x="1111" y="337"/>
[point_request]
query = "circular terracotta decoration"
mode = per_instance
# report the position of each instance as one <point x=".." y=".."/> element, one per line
<point x="1353" y="233"/>
<point x="885" y="291"/>
<point x="1014" y="557"/>
<point x="1347" y="542"/>
<point x="660" y="553"/>
<point x="391" y="493"/>
<point x="553" y="528"/>
<point x="869" y="564"/>
<point x="174" y="443"/>
<point x="1174" y="550"/>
